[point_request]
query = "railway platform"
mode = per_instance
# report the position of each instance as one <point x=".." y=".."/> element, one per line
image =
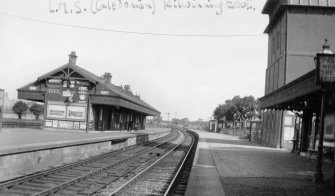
<point x="25" y="151"/>
<point x="226" y="165"/>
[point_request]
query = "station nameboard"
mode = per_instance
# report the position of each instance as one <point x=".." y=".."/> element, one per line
<point x="325" y="69"/>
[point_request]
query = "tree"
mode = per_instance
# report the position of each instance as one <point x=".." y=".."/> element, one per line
<point x="37" y="110"/>
<point x="226" y="110"/>
<point x="238" y="108"/>
<point x="185" y="121"/>
<point x="258" y="109"/>
<point x="20" y="108"/>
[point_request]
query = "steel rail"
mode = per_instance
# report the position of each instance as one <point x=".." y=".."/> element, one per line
<point x="66" y="184"/>
<point x="147" y="169"/>
<point x="181" y="166"/>
<point x="16" y="181"/>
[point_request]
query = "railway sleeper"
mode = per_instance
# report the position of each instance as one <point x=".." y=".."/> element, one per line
<point x="134" y="164"/>
<point x="99" y="164"/>
<point x="65" y="192"/>
<point x="91" y="190"/>
<point x="59" y="178"/>
<point x="15" y="192"/>
<point x="104" y="181"/>
<point x="64" y="176"/>
<point x="38" y="185"/>
<point x="46" y="182"/>
<point x="72" y="173"/>
<point x="128" y="193"/>
<point x="25" y="188"/>
<point x="78" y="187"/>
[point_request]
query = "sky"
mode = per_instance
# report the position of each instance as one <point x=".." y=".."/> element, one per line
<point x="183" y="61"/>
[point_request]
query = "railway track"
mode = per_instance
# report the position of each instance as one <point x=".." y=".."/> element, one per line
<point x="167" y="176"/>
<point x="109" y="173"/>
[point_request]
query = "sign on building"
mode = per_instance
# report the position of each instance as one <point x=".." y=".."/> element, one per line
<point x="325" y="69"/>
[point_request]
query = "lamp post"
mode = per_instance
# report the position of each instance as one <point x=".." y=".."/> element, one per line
<point x="234" y="117"/>
<point x="324" y="61"/>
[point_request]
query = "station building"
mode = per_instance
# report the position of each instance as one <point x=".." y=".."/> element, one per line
<point x="75" y="98"/>
<point x="292" y="102"/>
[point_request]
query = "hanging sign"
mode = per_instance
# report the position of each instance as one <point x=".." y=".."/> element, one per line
<point x="325" y="69"/>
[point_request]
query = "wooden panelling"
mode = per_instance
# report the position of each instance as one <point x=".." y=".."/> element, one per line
<point x="276" y="58"/>
<point x="307" y="29"/>
<point x="281" y="72"/>
<point x="275" y="75"/>
<point x="267" y="82"/>
<point x="297" y="66"/>
<point x="271" y="79"/>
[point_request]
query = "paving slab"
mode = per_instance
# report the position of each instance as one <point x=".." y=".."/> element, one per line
<point x="204" y="178"/>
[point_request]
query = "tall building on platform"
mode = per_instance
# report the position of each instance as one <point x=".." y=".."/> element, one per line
<point x="297" y="29"/>
<point x="75" y="98"/>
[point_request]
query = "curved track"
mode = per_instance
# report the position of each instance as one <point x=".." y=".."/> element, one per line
<point x="161" y="177"/>
<point x="152" y="166"/>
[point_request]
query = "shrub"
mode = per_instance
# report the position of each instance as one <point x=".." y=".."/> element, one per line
<point x="37" y="110"/>
<point x="20" y="108"/>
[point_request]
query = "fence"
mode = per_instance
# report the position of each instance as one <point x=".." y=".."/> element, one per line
<point x="16" y="123"/>
<point x="242" y="129"/>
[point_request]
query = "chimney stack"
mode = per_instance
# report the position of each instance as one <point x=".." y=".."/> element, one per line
<point x="73" y="58"/>
<point x="108" y="77"/>
<point x="127" y="87"/>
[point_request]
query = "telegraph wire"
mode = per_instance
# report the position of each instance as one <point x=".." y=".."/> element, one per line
<point x="128" y="32"/>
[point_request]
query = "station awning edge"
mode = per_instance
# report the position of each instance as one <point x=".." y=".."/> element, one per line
<point x="303" y="86"/>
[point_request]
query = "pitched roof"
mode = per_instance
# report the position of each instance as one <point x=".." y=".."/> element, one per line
<point x="99" y="80"/>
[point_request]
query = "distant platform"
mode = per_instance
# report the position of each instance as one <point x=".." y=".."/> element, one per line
<point x="16" y="140"/>
<point x="24" y="151"/>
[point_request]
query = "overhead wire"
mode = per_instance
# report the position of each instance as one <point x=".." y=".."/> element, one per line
<point x="127" y="32"/>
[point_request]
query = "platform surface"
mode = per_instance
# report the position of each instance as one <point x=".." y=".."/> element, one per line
<point x="226" y="165"/>
<point x="15" y="139"/>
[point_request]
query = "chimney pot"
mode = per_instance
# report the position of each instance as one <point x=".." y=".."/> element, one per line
<point x="73" y="58"/>
<point x="127" y="87"/>
<point x="108" y="77"/>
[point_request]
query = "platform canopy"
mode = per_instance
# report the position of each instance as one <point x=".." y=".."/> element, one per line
<point x="100" y="89"/>
<point x="296" y="95"/>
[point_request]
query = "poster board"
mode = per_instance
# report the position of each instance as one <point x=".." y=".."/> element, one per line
<point x="62" y="111"/>
<point x="329" y="126"/>
<point x="56" y="111"/>
<point x="76" y="112"/>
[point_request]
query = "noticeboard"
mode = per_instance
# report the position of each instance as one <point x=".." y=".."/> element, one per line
<point x="325" y="69"/>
